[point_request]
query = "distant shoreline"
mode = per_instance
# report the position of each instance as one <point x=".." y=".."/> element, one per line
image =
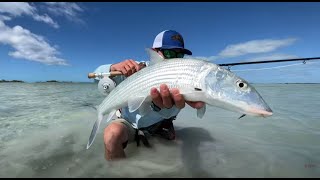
<point x="3" y="81"/>
<point x="56" y="81"/>
<point x="49" y="81"/>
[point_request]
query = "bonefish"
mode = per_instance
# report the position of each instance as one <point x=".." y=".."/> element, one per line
<point x="197" y="80"/>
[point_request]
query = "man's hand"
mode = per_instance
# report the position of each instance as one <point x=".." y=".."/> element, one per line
<point x="166" y="98"/>
<point x="127" y="67"/>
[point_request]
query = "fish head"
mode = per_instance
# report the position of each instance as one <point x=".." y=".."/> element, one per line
<point x="226" y="90"/>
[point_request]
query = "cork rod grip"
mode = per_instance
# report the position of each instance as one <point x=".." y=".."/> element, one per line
<point x="112" y="73"/>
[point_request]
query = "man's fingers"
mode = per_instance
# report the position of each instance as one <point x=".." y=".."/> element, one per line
<point x="166" y="96"/>
<point x="134" y="65"/>
<point x="156" y="97"/>
<point x="166" y="99"/>
<point x="129" y="70"/>
<point x="131" y="66"/>
<point x="124" y="71"/>
<point x="178" y="98"/>
<point x="127" y="67"/>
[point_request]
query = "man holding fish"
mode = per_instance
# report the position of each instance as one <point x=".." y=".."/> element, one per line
<point x="150" y="98"/>
<point x="166" y="103"/>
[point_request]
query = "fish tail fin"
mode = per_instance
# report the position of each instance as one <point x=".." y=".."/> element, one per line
<point x="96" y="127"/>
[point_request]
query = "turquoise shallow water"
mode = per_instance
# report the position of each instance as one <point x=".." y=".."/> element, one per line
<point x="44" y="128"/>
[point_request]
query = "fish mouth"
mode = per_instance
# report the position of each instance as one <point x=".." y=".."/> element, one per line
<point x="260" y="112"/>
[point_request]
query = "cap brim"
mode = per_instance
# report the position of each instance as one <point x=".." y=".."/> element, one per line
<point x="186" y="51"/>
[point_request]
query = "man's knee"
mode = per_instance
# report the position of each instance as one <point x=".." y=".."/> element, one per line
<point x="116" y="133"/>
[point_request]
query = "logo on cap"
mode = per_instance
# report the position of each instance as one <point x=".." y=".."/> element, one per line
<point x="177" y="37"/>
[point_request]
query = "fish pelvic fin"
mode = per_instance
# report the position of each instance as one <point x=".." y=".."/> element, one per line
<point x="201" y="111"/>
<point x="142" y="103"/>
<point x="96" y="126"/>
<point x="195" y="94"/>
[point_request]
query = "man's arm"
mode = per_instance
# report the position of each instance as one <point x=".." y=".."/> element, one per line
<point x="126" y="67"/>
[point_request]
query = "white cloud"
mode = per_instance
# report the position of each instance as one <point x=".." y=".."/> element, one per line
<point x="28" y="45"/>
<point x="5" y="18"/>
<point x="16" y="8"/>
<point x="68" y="9"/>
<point x="45" y="18"/>
<point x="21" y="8"/>
<point x="255" y="46"/>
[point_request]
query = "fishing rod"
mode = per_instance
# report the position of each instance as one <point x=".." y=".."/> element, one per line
<point x="116" y="73"/>
<point x="269" y="61"/>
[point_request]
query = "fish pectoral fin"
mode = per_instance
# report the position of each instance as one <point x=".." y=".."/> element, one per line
<point x="96" y="126"/>
<point x="201" y="111"/>
<point x="137" y="102"/>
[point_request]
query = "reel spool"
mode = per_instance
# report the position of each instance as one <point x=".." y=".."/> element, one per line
<point x="106" y="85"/>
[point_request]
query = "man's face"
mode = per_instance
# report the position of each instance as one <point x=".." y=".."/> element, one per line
<point x="171" y="53"/>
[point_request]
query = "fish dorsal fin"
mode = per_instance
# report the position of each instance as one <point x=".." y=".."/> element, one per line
<point x="154" y="56"/>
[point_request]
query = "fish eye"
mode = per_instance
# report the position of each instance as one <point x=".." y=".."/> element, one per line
<point x="241" y="84"/>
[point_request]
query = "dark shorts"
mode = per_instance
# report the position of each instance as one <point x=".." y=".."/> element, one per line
<point x="164" y="128"/>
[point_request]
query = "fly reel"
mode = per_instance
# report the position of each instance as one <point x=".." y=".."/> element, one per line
<point x="106" y="85"/>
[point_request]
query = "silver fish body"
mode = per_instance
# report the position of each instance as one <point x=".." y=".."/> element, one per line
<point x="197" y="80"/>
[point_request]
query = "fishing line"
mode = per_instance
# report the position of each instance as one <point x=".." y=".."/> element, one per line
<point x="277" y="67"/>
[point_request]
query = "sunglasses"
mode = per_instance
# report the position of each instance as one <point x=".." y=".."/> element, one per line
<point x="169" y="53"/>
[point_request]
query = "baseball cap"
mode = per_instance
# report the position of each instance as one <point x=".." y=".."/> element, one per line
<point x="170" y="39"/>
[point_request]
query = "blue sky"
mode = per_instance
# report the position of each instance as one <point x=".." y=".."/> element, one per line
<point x="66" y="41"/>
